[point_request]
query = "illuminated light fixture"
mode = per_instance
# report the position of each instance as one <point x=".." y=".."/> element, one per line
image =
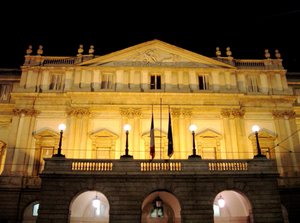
<point x="127" y="128"/>
<point x="61" y="127"/>
<point x="255" y="129"/>
<point x="96" y="202"/>
<point x="158" y="207"/>
<point x="221" y="202"/>
<point x="193" y="128"/>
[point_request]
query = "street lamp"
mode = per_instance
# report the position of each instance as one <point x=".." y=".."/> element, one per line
<point x="61" y="127"/>
<point x="127" y="128"/>
<point x="255" y="129"/>
<point x="193" y="128"/>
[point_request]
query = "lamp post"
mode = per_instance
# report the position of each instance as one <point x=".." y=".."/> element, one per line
<point x="255" y="129"/>
<point x="193" y="128"/>
<point x="61" y="127"/>
<point x="158" y="207"/>
<point x="127" y="128"/>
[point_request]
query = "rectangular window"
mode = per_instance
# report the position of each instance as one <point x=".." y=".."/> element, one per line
<point x="106" y="81"/>
<point x="5" y="90"/>
<point x="155" y="82"/>
<point x="203" y="82"/>
<point x="56" y="82"/>
<point x="253" y="84"/>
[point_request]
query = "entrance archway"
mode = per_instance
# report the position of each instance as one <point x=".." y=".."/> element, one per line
<point x="168" y="212"/>
<point x="89" y="206"/>
<point x="235" y="208"/>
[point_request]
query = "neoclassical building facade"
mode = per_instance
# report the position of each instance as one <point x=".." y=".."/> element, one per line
<point x="95" y="96"/>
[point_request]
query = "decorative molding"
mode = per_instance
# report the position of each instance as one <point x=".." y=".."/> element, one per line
<point x="79" y="112"/>
<point x="175" y="112"/>
<point x="130" y="112"/>
<point x="187" y="113"/>
<point x="25" y="112"/>
<point x="233" y="113"/>
<point x="286" y="114"/>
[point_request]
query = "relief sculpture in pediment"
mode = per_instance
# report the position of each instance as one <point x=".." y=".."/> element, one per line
<point x="155" y="56"/>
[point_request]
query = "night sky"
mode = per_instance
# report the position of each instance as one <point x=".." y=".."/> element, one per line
<point x="247" y="27"/>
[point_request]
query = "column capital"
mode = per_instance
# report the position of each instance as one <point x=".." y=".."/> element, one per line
<point x="25" y="112"/>
<point x="286" y="114"/>
<point x="79" y="112"/>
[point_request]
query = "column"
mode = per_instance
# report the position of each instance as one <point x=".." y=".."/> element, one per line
<point x="68" y="79"/>
<point x="78" y="132"/>
<point x="293" y="140"/>
<point x="21" y="143"/>
<point x="264" y="86"/>
<point x="228" y="80"/>
<point x="193" y="80"/>
<point x="225" y="113"/>
<point x="186" y="142"/>
<point x="136" y="133"/>
<point x="44" y="85"/>
<point x="283" y="156"/>
<point x="241" y="148"/>
<point x="216" y="80"/>
<point x="175" y="112"/>
<point x="144" y="80"/>
<point x="168" y="80"/>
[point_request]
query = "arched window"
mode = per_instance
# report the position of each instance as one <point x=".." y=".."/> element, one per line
<point x="103" y="144"/>
<point x="90" y="206"/>
<point x="31" y="212"/>
<point x="46" y="142"/>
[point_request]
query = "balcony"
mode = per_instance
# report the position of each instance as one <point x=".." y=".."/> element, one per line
<point x="161" y="167"/>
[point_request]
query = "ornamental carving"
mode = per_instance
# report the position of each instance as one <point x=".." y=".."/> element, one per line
<point x="225" y="113"/>
<point x="233" y="113"/>
<point x="237" y="113"/>
<point x="79" y="112"/>
<point x="175" y="112"/>
<point x="130" y="112"/>
<point x="287" y="114"/>
<point x="187" y="113"/>
<point x="25" y="112"/>
<point x="154" y="56"/>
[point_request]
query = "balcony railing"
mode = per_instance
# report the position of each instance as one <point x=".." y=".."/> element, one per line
<point x="201" y="166"/>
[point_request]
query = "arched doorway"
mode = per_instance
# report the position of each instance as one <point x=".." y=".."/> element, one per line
<point x="161" y="207"/>
<point x="89" y="206"/>
<point x="231" y="206"/>
<point x="31" y="212"/>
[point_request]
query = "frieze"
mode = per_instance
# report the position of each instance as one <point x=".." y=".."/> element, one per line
<point x="287" y="114"/>
<point x="79" y="112"/>
<point x="156" y="64"/>
<point x="25" y="112"/>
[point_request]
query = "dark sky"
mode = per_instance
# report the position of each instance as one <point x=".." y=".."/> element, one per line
<point x="248" y="27"/>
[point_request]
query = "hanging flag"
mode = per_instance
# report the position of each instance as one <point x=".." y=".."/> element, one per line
<point x="152" y="144"/>
<point x="170" y="138"/>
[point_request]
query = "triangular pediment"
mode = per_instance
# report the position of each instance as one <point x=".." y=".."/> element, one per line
<point x="155" y="53"/>
<point x="103" y="134"/>
<point x="208" y="133"/>
<point x="45" y="133"/>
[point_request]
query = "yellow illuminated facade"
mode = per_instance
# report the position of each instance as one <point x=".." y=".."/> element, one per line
<point x="95" y="96"/>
